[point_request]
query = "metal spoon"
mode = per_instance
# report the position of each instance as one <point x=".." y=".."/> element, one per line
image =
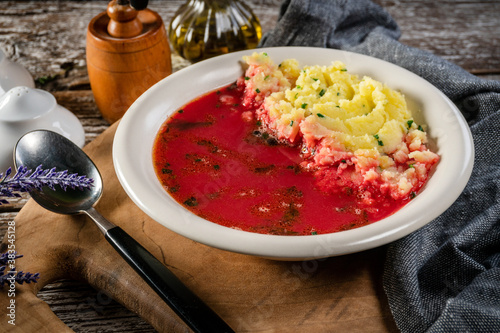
<point x="50" y="150"/>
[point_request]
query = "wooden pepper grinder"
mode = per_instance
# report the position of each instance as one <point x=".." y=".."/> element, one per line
<point x="127" y="52"/>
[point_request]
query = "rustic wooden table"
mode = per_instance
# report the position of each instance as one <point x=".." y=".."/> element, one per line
<point x="48" y="38"/>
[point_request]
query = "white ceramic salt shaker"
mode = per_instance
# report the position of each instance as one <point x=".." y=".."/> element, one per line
<point x="23" y="109"/>
<point x="13" y="75"/>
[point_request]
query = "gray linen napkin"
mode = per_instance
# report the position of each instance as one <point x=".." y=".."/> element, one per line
<point x="444" y="277"/>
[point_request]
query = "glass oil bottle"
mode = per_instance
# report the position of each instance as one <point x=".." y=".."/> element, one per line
<point x="202" y="29"/>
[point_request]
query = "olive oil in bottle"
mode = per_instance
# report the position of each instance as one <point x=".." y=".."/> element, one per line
<point x="203" y="29"/>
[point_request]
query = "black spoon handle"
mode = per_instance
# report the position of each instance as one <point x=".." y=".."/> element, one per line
<point x="196" y="314"/>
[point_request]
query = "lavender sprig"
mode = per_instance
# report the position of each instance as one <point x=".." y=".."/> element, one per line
<point x="19" y="277"/>
<point x="25" y="181"/>
<point x="4" y="258"/>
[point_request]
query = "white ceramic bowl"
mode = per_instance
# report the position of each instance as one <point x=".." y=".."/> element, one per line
<point x="132" y="156"/>
<point x="24" y="109"/>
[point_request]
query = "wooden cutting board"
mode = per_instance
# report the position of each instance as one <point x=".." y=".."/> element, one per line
<point x="340" y="294"/>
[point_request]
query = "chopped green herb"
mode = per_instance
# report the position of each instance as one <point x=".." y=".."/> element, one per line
<point x="216" y="167"/>
<point x="320" y="115"/>
<point x="380" y="143"/>
<point x="343" y="161"/>
<point x="409" y="122"/>
<point x="45" y="79"/>
<point x="267" y="77"/>
<point x="413" y="195"/>
<point x="304" y="105"/>
<point x="247" y="78"/>
<point x="181" y="111"/>
<point x="265" y="54"/>
<point x="338" y="106"/>
<point x="291" y="123"/>
<point x="299" y="87"/>
<point x="315" y="79"/>
<point x="279" y="65"/>
<point x="297" y="94"/>
<point x="166" y="171"/>
<point x="314" y="232"/>
<point x="218" y="92"/>
<point x="257" y="90"/>
<point x="411" y="166"/>
<point x="259" y="123"/>
<point x="191" y="202"/>
<point x="338" y="94"/>
<point x="420" y="128"/>
<point x="322" y="92"/>
<point x="343" y="70"/>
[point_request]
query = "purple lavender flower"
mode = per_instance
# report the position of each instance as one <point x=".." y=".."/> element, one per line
<point x="25" y="181"/>
<point x="19" y="277"/>
<point x="5" y="257"/>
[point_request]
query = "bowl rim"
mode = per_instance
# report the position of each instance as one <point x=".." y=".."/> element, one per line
<point x="135" y="132"/>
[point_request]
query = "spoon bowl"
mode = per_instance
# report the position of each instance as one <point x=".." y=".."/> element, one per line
<point x="50" y="149"/>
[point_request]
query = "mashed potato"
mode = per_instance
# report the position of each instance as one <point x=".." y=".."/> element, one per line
<point x="350" y="125"/>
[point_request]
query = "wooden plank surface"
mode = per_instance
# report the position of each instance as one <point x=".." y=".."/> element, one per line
<point x="48" y="38"/>
<point x="464" y="32"/>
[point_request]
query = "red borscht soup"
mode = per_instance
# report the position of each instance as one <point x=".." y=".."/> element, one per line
<point x="219" y="162"/>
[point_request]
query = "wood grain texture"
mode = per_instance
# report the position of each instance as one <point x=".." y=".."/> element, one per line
<point x="464" y="32"/>
<point x="36" y="34"/>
